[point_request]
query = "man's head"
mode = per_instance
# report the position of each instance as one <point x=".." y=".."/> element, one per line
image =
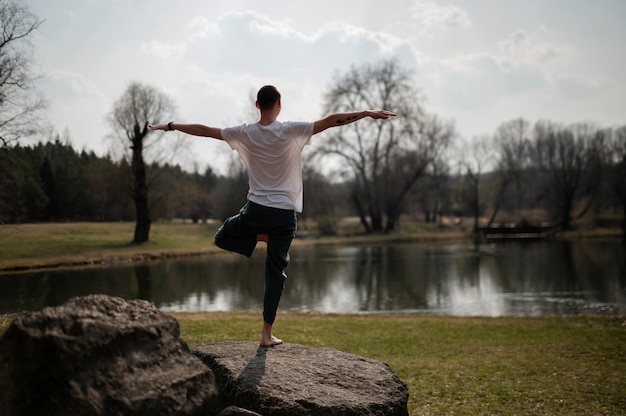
<point x="267" y="97"/>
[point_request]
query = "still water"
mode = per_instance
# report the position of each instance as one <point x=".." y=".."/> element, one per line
<point x="527" y="278"/>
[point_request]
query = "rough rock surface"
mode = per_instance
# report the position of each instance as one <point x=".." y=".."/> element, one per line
<point x="237" y="411"/>
<point x="101" y="355"/>
<point x="295" y="380"/>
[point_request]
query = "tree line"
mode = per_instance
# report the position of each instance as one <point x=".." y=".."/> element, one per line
<point x="53" y="182"/>
<point x="562" y="170"/>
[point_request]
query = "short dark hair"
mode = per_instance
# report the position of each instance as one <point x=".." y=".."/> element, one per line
<point x="267" y="97"/>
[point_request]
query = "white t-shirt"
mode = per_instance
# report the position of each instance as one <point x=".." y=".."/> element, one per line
<point x="272" y="155"/>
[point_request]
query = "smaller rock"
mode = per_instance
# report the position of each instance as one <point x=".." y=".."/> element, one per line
<point x="294" y="380"/>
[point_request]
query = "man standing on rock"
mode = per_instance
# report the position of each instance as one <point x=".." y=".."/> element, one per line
<point x="271" y="151"/>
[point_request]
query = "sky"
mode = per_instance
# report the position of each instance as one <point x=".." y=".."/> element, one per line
<point x="479" y="63"/>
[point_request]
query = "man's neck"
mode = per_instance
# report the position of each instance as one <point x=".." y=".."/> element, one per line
<point x="269" y="116"/>
<point x="267" y="119"/>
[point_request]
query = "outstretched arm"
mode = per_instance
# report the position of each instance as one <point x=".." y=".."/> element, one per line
<point x="341" y="119"/>
<point x="193" y="129"/>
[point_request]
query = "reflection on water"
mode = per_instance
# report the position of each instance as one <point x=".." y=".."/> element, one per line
<point x="514" y="278"/>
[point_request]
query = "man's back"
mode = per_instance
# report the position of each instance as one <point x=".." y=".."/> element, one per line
<point x="272" y="155"/>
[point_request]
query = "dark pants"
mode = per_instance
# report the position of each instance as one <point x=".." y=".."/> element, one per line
<point x="239" y="234"/>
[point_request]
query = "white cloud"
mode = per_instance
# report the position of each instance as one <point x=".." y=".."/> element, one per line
<point x="429" y="16"/>
<point x="255" y="44"/>
<point x="201" y="26"/>
<point x="164" y="50"/>
<point x="347" y="33"/>
<point x="263" y="25"/>
<point x="75" y="84"/>
<point x="526" y="48"/>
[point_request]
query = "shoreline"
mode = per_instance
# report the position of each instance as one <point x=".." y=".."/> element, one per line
<point x="145" y="254"/>
<point x="129" y="253"/>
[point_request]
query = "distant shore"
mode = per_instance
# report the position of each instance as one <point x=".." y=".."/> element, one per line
<point x="32" y="247"/>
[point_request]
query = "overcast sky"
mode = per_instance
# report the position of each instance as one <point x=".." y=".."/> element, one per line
<point x="477" y="62"/>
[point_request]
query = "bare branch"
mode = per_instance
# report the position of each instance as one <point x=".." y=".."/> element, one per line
<point x="19" y="106"/>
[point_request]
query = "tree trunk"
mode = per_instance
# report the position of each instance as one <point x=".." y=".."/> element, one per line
<point x="476" y="209"/>
<point x="622" y="198"/>
<point x="566" y="214"/>
<point x="377" y="220"/>
<point x="361" y="212"/>
<point x="140" y="192"/>
<point x="498" y="200"/>
<point x="391" y="224"/>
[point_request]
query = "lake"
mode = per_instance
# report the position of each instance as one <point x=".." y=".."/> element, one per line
<point x="515" y="278"/>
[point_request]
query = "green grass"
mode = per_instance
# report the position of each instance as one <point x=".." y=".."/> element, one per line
<point x="54" y="244"/>
<point x="464" y="366"/>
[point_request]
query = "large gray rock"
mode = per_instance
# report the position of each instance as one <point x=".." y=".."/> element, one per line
<point x="100" y="355"/>
<point x="293" y="380"/>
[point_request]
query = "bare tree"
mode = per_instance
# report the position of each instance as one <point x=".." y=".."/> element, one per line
<point x="617" y="169"/>
<point x="512" y="141"/>
<point x="569" y="161"/>
<point x="383" y="160"/>
<point x="20" y="104"/>
<point x="323" y="200"/>
<point x="431" y="195"/>
<point x="138" y="106"/>
<point x="475" y="159"/>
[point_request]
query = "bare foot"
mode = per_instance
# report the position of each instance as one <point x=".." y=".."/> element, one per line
<point x="270" y="342"/>
<point x="267" y="339"/>
<point x="262" y="237"/>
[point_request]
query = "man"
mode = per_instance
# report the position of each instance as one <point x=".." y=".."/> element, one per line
<point x="271" y="151"/>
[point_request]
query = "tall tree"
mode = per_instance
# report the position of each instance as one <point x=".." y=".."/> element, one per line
<point x="474" y="161"/>
<point x="568" y="160"/>
<point x="138" y="106"/>
<point x="20" y="105"/>
<point x="431" y="195"/>
<point x="383" y="160"/>
<point x="512" y="141"/>
<point x="323" y="200"/>
<point x="617" y="169"/>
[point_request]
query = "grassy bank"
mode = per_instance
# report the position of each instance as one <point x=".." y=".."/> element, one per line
<point x="31" y="246"/>
<point x="462" y="366"/>
<point x="67" y="244"/>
